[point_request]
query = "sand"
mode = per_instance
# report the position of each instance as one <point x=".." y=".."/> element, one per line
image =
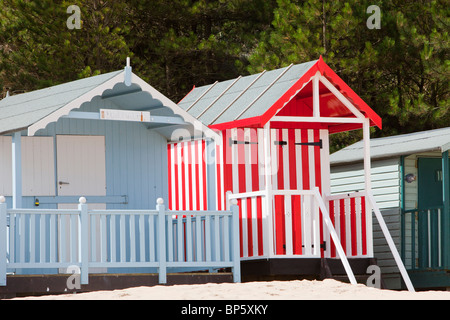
<point x="270" y="290"/>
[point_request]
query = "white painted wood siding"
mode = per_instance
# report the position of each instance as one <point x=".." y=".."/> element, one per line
<point x="5" y="166"/>
<point x="38" y="167"/>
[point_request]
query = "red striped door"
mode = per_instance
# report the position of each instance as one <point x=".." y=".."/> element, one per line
<point x="187" y="175"/>
<point x="295" y="165"/>
<point x="297" y="154"/>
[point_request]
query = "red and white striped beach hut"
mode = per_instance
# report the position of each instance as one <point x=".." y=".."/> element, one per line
<point x="270" y="151"/>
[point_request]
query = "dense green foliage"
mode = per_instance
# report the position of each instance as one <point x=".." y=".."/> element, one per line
<point x="401" y="70"/>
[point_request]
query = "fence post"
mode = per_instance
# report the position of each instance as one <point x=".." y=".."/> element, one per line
<point x="162" y="240"/>
<point x="84" y="240"/>
<point x="235" y="240"/>
<point x="3" y="241"/>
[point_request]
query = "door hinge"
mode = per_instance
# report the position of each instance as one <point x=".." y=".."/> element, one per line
<point x="231" y="141"/>
<point x="314" y="144"/>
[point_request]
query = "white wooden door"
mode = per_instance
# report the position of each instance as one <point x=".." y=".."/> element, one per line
<point x="81" y="165"/>
<point x="81" y="172"/>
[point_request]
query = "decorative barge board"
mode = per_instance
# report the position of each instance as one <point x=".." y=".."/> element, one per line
<point x="273" y="156"/>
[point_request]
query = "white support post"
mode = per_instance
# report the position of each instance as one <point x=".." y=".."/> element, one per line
<point x="334" y="236"/>
<point x="17" y="170"/>
<point x="3" y="241"/>
<point x="236" y="241"/>
<point x="368" y="185"/>
<point x="269" y="240"/>
<point x="162" y="240"/>
<point x="316" y="97"/>
<point x="84" y="240"/>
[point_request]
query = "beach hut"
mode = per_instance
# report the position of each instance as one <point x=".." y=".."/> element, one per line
<point x="273" y="156"/>
<point x="410" y="181"/>
<point x="83" y="165"/>
<point x="102" y="137"/>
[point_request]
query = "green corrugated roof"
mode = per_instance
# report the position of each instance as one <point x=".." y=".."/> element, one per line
<point x="21" y="111"/>
<point x="232" y="109"/>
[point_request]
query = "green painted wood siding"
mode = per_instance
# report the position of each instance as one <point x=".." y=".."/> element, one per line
<point x="385" y="176"/>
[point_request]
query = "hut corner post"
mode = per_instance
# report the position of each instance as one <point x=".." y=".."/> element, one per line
<point x="84" y="240"/>
<point x="368" y="185"/>
<point x="236" y="241"/>
<point x="162" y="240"/>
<point x="446" y="210"/>
<point x="3" y="241"/>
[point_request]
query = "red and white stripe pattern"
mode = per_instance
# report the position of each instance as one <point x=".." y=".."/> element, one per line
<point x="187" y="175"/>
<point x="348" y="215"/>
<point x="296" y="167"/>
<point x="297" y="164"/>
<point x="297" y="224"/>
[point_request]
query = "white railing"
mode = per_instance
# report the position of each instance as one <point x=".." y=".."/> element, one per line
<point x="352" y="220"/>
<point x="293" y="231"/>
<point x="53" y="238"/>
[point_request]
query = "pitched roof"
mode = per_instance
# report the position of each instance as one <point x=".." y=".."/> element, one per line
<point x="253" y="100"/>
<point x="34" y="110"/>
<point x="20" y="111"/>
<point x="404" y="144"/>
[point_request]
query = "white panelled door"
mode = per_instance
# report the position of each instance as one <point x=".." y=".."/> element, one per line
<point x="81" y="172"/>
<point x="81" y="165"/>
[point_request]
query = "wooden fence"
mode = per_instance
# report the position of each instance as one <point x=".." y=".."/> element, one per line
<point x="162" y="239"/>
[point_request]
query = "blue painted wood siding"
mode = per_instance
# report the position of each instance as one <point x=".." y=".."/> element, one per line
<point x="136" y="158"/>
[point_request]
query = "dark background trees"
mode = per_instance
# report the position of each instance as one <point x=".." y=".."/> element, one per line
<point x="401" y="70"/>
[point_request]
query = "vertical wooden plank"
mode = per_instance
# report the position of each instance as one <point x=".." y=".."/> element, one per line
<point x="152" y="238"/>
<point x="169" y="237"/>
<point x="103" y="237"/>
<point x="73" y="238"/>
<point x="22" y="237"/>
<point x="141" y="238"/>
<point x="180" y="245"/>
<point x="244" y="237"/>
<point x="122" y="238"/>
<point x="348" y="227"/>
<point x="353" y="226"/>
<point x="306" y="224"/>
<point x="343" y="225"/>
<point x="333" y="220"/>
<point x="188" y="238"/>
<point x="113" y="242"/>
<point x="358" y="227"/>
<point x="226" y="239"/>
<point x="217" y="237"/>
<point x="93" y="237"/>
<point x="208" y="237"/>
<point x="42" y="238"/>
<point x="363" y="226"/>
<point x="32" y="244"/>
<point x="133" y="238"/>
<point x="198" y="233"/>
<point x="12" y="237"/>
